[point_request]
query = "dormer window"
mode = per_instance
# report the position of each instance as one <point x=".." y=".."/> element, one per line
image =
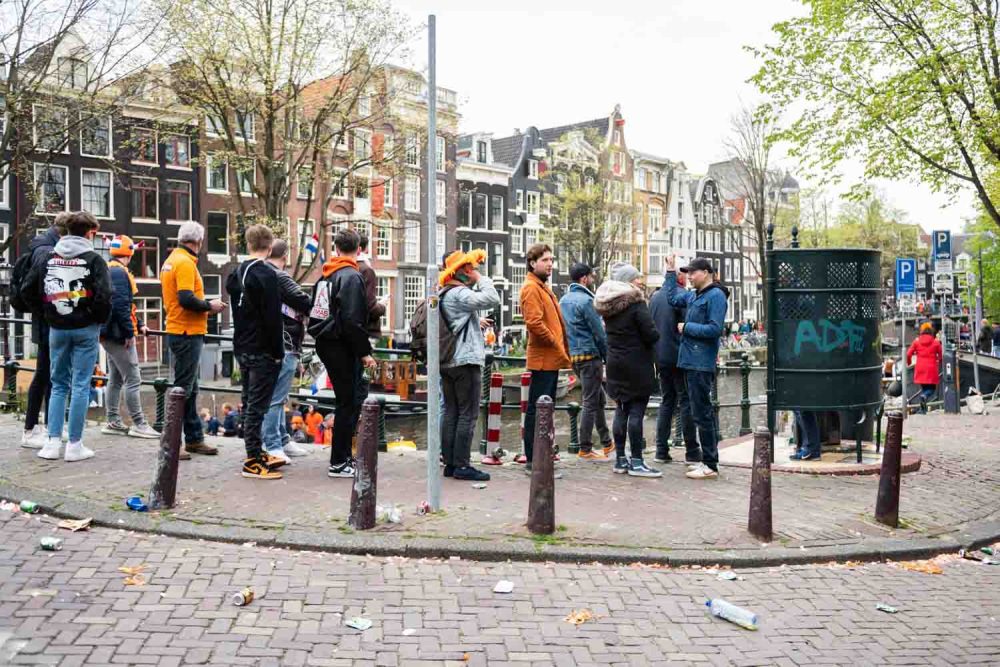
<point x="533" y="169"/>
<point x="72" y="72"/>
<point x="481" y="152"/>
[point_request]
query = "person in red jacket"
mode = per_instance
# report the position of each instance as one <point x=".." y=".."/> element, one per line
<point x="928" y="351"/>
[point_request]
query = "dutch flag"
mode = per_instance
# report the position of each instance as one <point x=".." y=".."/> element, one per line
<point x="312" y="244"/>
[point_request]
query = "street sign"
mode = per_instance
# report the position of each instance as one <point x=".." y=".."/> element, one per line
<point x="906" y="277"/>
<point x="943" y="266"/>
<point x="942" y="245"/>
<point x="963" y="281"/>
<point x="944" y="283"/>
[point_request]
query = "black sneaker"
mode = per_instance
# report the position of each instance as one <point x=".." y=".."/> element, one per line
<point x="469" y="473"/>
<point x="345" y="469"/>
<point x="449" y="471"/>
<point x="527" y="468"/>
<point x="662" y="456"/>
<point x="638" y="468"/>
<point x="621" y="465"/>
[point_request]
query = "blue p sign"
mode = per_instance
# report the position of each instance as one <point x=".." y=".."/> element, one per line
<point x="906" y="276"/>
<point x="942" y="244"/>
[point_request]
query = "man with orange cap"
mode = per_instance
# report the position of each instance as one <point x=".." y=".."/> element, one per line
<point x="118" y="336"/>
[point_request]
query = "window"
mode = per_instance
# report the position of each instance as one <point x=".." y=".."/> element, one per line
<point x="519" y="200"/>
<point x="657" y="253"/>
<point x="361" y="187"/>
<point x="412" y="151"/>
<point x="362" y="145"/>
<point x="411" y="242"/>
<point x="383" y="242"/>
<point x="439" y="155"/>
<point x="412" y="192"/>
<point x="413" y="294"/>
<point x="496" y="260"/>
<point x="217" y="174"/>
<point x="465" y="246"/>
<point x="517" y="239"/>
<point x="145" y="195"/>
<point x="546" y="204"/>
<point x="303" y="183"/>
<point x="340" y="141"/>
<point x="147" y="309"/>
<point x="246" y="179"/>
<point x="533" y="169"/>
<point x="517" y="279"/>
<point x="217" y="233"/>
<point x="245" y="125"/>
<point x="389" y="195"/>
<point x="95" y="136"/>
<point x="3" y="114"/>
<point x="72" y="72"/>
<point x="481" y="151"/>
<point x="533" y="203"/>
<point x="306" y="230"/>
<point x="440" y="239"/>
<point x="530" y="237"/>
<point x="144" y="145"/>
<point x="4" y="201"/>
<point x="214" y="126"/>
<point x="364" y="105"/>
<point x="146" y="264"/>
<point x="50" y="182"/>
<point x="339" y="184"/>
<point x="51" y="128"/>
<point x="383" y="290"/>
<point x="655" y="218"/>
<point x="618" y="162"/>
<point x="496" y="213"/>
<point x="479" y="205"/>
<point x="441" y="197"/>
<point x="177" y="203"/>
<point x="177" y="150"/>
<point x="464" y="208"/>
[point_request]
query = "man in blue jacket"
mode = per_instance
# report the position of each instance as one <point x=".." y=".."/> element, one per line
<point x="699" y="351"/>
<point x="588" y="348"/>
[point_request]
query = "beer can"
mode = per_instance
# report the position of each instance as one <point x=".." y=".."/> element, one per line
<point x="423" y="508"/>
<point x="29" y="507"/>
<point x="51" y="543"/>
<point x="243" y="598"/>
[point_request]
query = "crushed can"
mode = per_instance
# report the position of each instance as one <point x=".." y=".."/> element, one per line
<point x="243" y="598"/>
<point x="50" y="543"/>
<point x="423" y="508"/>
<point x="30" y="507"/>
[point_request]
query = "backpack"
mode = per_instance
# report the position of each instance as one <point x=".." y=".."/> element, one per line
<point x="447" y="339"/>
<point x="20" y="301"/>
<point x="322" y="321"/>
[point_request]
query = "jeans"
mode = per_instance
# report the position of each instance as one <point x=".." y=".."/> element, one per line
<point x="543" y="383"/>
<point x="41" y="384"/>
<point x="343" y="368"/>
<point x="591" y="374"/>
<point x="185" y="351"/>
<point x="808" y="426"/>
<point x="628" y="421"/>
<point x="461" y="387"/>
<point x="74" y="354"/>
<point x="274" y="431"/>
<point x="123" y="369"/>
<point x="674" y="400"/>
<point x="699" y="387"/>
<point x="260" y="373"/>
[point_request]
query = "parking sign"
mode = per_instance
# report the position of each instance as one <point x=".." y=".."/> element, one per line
<point x="906" y="276"/>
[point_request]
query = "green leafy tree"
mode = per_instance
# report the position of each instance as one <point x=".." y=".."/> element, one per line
<point x="871" y="222"/>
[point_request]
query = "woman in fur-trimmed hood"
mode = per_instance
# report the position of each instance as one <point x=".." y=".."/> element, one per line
<point x="631" y="379"/>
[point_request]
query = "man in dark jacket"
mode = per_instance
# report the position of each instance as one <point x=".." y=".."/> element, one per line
<point x="698" y="354"/>
<point x="339" y="324"/>
<point x="673" y="390"/>
<point x="295" y="306"/>
<point x="258" y="343"/>
<point x="376" y="308"/>
<point x="985" y="341"/>
<point x="75" y="289"/>
<point x="118" y="336"/>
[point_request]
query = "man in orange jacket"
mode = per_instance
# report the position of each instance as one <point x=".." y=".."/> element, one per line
<point x="548" y="348"/>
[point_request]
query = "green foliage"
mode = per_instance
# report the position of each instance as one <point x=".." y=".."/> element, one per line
<point x="871" y="222"/>
<point x="985" y="240"/>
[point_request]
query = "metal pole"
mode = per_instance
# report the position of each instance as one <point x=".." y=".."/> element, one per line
<point x="902" y="345"/>
<point x="771" y="313"/>
<point x="433" y="354"/>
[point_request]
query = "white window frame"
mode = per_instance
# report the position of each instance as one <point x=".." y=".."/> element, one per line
<point x="498" y="273"/>
<point x="412" y="193"/>
<point x="413" y="294"/>
<point x="340" y="190"/>
<point x="111" y="192"/>
<point x="518" y="274"/>
<point x="110" y="139"/>
<point x="4" y="197"/>
<point x="148" y="241"/>
<point x="389" y="192"/>
<point x="411" y="241"/>
<point x="190" y="198"/>
<point x="533" y="202"/>
<point x="383" y="242"/>
<point x="383" y="290"/>
<point x="171" y="165"/>
<point x="210" y="164"/>
<point x="519" y="200"/>
<point x="440" y="154"/>
<point x="533" y="169"/>
<point x="132" y="212"/>
<point x="362" y="138"/>
<point x="253" y="180"/>
<point x="66" y="188"/>
<point x="238" y="133"/>
<point x="440" y="239"/>
<point x="34" y="128"/>
<point x="655" y="221"/>
<point x="441" y="197"/>
<point x="300" y="181"/>
<point x="493" y="200"/>
<point x="213" y="129"/>
<point x="156" y="145"/>
<point x="517" y="241"/>
<point x="364" y="105"/>
<point x="304" y="230"/>
<point x="412" y="148"/>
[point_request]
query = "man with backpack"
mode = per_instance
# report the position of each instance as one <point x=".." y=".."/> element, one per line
<point x="463" y="353"/>
<point x="339" y="325"/>
<point x="75" y="289"/>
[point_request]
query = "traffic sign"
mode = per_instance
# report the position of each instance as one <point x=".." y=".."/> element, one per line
<point x="944" y="283"/>
<point x="942" y="244"/>
<point x="906" y="276"/>
<point x="963" y="280"/>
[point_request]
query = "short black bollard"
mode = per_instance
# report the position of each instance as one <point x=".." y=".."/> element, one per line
<point x="574" y="428"/>
<point x="160" y="385"/>
<point x="542" y="501"/>
<point x="10" y="369"/>
<point x="365" y="488"/>
<point x="163" y="492"/>
<point x="745" y="396"/>
<point x="759" y="523"/>
<point x="383" y="443"/>
<point x="887" y="503"/>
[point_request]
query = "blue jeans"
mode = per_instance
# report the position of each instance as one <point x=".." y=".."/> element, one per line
<point x="699" y="386"/>
<point x="275" y="435"/>
<point x="74" y="354"/>
<point x="185" y="353"/>
<point x="808" y="427"/>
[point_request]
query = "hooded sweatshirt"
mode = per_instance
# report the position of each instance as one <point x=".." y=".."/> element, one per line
<point x="255" y="298"/>
<point x="339" y="312"/>
<point x="705" y="321"/>
<point x="74" y="285"/>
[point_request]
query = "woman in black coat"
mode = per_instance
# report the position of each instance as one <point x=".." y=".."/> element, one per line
<point x="632" y="334"/>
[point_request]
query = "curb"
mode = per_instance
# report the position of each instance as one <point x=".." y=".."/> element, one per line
<point x="971" y="536"/>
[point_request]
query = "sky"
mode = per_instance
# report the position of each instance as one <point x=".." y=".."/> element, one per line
<point x="678" y="72"/>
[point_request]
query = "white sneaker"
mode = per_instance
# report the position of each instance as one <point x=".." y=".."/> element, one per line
<point x="34" y="439"/>
<point x="295" y="449"/>
<point x="75" y="451"/>
<point x="144" y="431"/>
<point x="51" y="449"/>
<point x="691" y="465"/>
<point x="278" y="454"/>
<point x="702" y="472"/>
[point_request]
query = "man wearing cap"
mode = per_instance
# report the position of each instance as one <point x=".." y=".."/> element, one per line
<point x="464" y="293"/>
<point x="118" y="337"/>
<point x="705" y="318"/>
<point x="588" y="350"/>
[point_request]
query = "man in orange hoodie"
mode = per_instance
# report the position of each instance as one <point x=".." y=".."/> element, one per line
<point x="548" y="347"/>
<point x="338" y="323"/>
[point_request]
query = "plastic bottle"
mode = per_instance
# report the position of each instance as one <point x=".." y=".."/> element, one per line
<point x="741" y="617"/>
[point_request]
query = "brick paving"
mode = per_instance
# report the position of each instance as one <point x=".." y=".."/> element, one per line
<point x="958" y="484"/>
<point x="71" y="607"/>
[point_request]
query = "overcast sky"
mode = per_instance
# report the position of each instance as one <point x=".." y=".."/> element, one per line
<point x="678" y="73"/>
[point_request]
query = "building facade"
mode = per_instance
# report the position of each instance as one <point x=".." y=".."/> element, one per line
<point x="651" y="191"/>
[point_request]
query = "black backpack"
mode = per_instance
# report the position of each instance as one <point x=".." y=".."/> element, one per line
<point x="21" y="302"/>
<point x="447" y="339"/>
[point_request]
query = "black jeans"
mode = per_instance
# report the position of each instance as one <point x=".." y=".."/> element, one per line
<point x="343" y="368"/>
<point x="543" y="383"/>
<point x="591" y="374"/>
<point x="260" y="374"/>
<point x="674" y="401"/>
<point x="699" y="386"/>
<point x="185" y="351"/>
<point x="41" y="384"/>
<point x="808" y="427"/>
<point x="628" y="421"/>
<point x="460" y="386"/>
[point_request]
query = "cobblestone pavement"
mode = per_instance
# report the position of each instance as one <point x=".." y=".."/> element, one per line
<point x="958" y="483"/>
<point x="72" y="607"/>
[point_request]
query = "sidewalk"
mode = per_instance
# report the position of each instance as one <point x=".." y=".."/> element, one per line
<point x="953" y="499"/>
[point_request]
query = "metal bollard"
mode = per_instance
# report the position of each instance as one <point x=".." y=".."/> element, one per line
<point x="574" y="427"/>
<point x="10" y="369"/>
<point x="365" y="487"/>
<point x="493" y="421"/>
<point x="887" y="502"/>
<point x="160" y="385"/>
<point x="383" y="442"/>
<point x="542" y="498"/>
<point x="163" y="492"/>
<point x="759" y="523"/>
<point x="745" y="397"/>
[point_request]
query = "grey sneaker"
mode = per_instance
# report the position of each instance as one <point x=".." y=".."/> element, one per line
<point x="144" y="431"/>
<point x="295" y="449"/>
<point x="116" y="428"/>
<point x="639" y="469"/>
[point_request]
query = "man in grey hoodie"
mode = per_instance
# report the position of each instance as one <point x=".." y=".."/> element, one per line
<point x="461" y="371"/>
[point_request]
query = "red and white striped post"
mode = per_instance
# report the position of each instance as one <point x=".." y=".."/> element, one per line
<point x="494" y="456"/>
<point x="525" y="389"/>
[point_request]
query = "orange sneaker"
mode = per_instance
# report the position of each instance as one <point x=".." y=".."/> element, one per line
<point x="591" y="456"/>
<point x="273" y="462"/>
<point x="256" y="469"/>
<point x="609" y="449"/>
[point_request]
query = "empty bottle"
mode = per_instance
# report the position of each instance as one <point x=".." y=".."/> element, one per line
<point x="738" y="615"/>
